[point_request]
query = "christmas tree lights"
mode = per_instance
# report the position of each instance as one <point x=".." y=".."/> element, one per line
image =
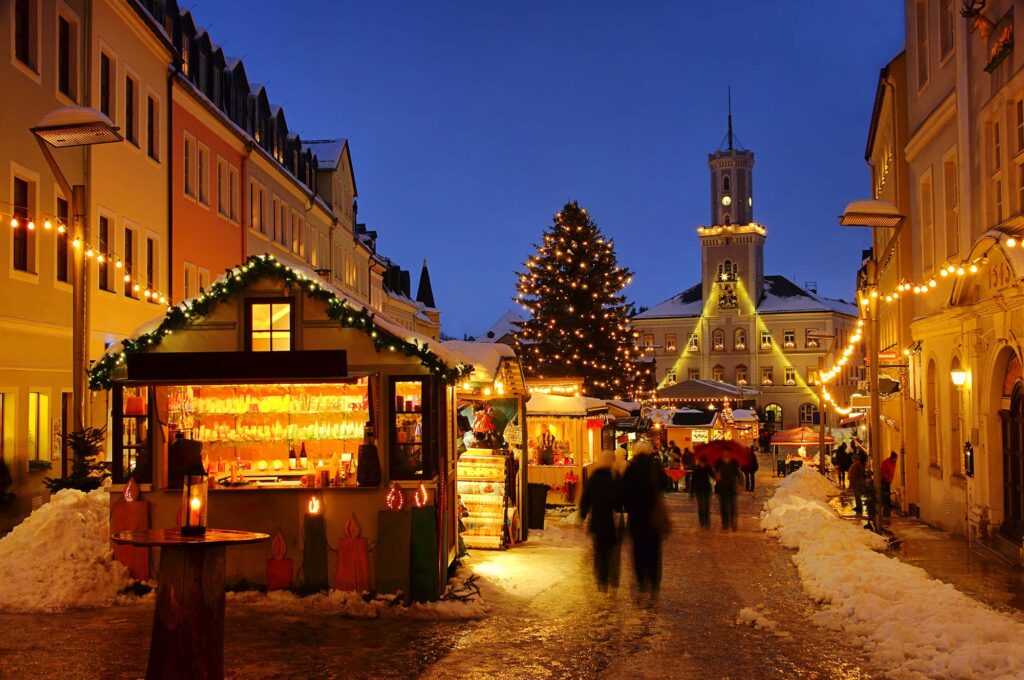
<point x="580" y="321"/>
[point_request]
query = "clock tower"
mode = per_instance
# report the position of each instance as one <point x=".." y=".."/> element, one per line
<point x="732" y="246"/>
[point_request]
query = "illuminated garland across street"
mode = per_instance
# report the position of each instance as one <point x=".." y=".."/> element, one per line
<point x="237" y="279"/>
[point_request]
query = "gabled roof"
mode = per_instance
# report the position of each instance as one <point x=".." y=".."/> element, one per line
<point x="329" y="155"/>
<point x="782" y="296"/>
<point x="386" y="334"/>
<point x="688" y="303"/>
<point x="506" y="325"/>
<point x="694" y="417"/>
<point x="424" y="291"/>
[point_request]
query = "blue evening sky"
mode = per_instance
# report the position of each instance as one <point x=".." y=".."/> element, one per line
<point x="472" y="122"/>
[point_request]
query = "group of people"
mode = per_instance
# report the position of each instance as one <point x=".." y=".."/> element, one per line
<point x="616" y="490"/>
<point x="851" y="465"/>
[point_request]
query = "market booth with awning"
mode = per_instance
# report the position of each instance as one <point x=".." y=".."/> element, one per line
<point x="564" y="435"/>
<point x="306" y="410"/>
<point x="790" y="448"/>
<point x="690" y="392"/>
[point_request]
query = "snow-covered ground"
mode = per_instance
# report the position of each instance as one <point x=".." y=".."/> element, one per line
<point x="60" y="557"/>
<point x="914" y="627"/>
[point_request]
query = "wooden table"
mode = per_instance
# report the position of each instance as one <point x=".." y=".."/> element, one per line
<point x="188" y="624"/>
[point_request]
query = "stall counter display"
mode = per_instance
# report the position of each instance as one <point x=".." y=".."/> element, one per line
<point x="275" y="435"/>
<point x="482" y="475"/>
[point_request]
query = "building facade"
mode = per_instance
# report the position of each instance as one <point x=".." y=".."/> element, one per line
<point x="739" y="325"/>
<point x="946" y="146"/>
<point x="208" y="173"/>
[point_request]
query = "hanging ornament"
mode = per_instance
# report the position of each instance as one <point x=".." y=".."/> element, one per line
<point x="396" y="498"/>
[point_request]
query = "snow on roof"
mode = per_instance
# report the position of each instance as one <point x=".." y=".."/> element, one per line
<point x="506" y="325"/>
<point x="744" y="415"/>
<point x="74" y="115"/>
<point x="484" y="357"/>
<point x="328" y="151"/>
<point x="782" y="295"/>
<point x="560" y="405"/>
<point x="688" y="303"/>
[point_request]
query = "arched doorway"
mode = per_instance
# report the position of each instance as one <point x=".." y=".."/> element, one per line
<point x="1013" y="450"/>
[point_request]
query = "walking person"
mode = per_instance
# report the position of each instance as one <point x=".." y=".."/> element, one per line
<point x="700" y="488"/>
<point x="844" y="459"/>
<point x="601" y="497"/>
<point x="687" y="460"/>
<point x="648" y="520"/>
<point x="887" y="471"/>
<point x="856" y="477"/>
<point x="749" y="471"/>
<point x="727" y="485"/>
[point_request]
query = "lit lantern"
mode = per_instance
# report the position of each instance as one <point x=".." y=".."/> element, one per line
<point x="395" y="500"/>
<point x="193" y="502"/>
<point x="421" y="496"/>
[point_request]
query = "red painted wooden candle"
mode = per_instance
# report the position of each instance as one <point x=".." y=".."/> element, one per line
<point x="279" y="569"/>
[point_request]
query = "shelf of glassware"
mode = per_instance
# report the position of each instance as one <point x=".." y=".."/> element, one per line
<point x="481" y="487"/>
<point x="243" y="428"/>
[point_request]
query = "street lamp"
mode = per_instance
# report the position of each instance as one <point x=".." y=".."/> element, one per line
<point x="822" y="408"/>
<point x="959" y="377"/>
<point x="63" y="128"/>
<point x="875" y="214"/>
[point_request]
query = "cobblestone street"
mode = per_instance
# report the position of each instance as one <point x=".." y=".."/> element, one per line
<point x="547" y="620"/>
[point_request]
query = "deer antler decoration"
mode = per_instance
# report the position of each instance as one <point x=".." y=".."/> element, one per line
<point x="972" y="8"/>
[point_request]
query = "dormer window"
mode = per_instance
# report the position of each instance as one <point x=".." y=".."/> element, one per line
<point x="202" y="72"/>
<point x="269" y="325"/>
<point x="185" y="54"/>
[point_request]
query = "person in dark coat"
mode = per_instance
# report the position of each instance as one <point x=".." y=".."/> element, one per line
<point x="727" y="485"/>
<point x="601" y="496"/>
<point x="700" y="488"/>
<point x="856" y="475"/>
<point x="750" y="470"/>
<point x="642" y="494"/>
<point x="688" y="463"/>
<point x="843" y="462"/>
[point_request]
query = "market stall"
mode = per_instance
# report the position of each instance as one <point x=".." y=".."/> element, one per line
<point x="792" y="449"/>
<point x="564" y="435"/>
<point x="491" y="459"/>
<point x="307" y="412"/>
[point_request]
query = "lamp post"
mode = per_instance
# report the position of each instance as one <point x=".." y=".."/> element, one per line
<point x="63" y="128"/>
<point x="822" y="408"/>
<point x="875" y="214"/>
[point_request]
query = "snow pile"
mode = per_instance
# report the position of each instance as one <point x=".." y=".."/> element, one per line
<point x="754" y="617"/>
<point x="60" y="557"/>
<point x="461" y="600"/>
<point x="913" y="626"/>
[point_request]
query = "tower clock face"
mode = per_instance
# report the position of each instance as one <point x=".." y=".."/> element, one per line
<point x="726" y="200"/>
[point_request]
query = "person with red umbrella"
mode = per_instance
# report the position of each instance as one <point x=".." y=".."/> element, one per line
<point x="726" y="459"/>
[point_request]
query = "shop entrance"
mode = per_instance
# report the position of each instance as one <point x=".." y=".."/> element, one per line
<point x="1013" y="459"/>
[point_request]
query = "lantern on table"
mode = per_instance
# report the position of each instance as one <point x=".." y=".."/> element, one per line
<point x="193" y="502"/>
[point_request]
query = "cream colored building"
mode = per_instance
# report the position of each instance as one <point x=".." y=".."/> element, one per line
<point x="738" y="325"/>
<point x="947" y="147"/>
<point x="58" y="56"/>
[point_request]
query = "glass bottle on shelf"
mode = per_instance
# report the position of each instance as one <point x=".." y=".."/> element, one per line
<point x="303" y="460"/>
<point x="293" y="464"/>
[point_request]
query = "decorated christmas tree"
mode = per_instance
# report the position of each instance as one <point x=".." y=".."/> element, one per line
<point x="579" y="323"/>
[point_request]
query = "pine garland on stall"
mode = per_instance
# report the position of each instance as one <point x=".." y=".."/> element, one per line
<point x="240" y="277"/>
<point x="579" y="325"/>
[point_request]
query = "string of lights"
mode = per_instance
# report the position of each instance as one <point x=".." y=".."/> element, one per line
<point x="56" y="224"/>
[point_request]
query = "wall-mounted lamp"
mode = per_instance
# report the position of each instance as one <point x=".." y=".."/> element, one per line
<point x="959" y="377"/>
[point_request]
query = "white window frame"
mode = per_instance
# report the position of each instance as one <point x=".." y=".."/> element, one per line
<point x="947" y="10"/>
<point x="223" y="209"/>
<point x="926" y="210"/>
<point x="203" y="175"/>
<point x="62" y="285"/>
<point x="157" y="126"/>
<point x="189" y="273"/>
<point x="951" y="208"/>
<point x="115" y="80"/>
<point x="233" y="189"/>
<point x="32" y="255"/>
<point x="130" y="73"/>
<point x="188" y="166"/>
<point x="922" y="43"/>
<point x="61" y="10"/>
<point x="32" y="71"/>
<point x="136" y="260"/>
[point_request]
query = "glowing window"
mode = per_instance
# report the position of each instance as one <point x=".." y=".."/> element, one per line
<point x="270" y="326"/>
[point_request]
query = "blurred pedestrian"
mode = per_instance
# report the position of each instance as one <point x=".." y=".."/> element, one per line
<point x="856" y="477"/>
<point x="687" y="460"/>
<point x="727" y="486"/>
<point x="887" y="471"/>
<point x="648" y="518"/>
<point x="843" y="462"/>
<point x="601" y="497"/>
<point x="700" y="488"/>
<point x="749" y="471"/>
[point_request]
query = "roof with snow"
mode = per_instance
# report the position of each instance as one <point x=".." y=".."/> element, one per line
<point x="506" y="325"/>
<point x="328" y="151"/>
<point x="705" y="390"/>
<point x="561" y="405"/>
<point x="780" y="296"/>
<point x="486" y="358"/>
<point x="688" y="303"/>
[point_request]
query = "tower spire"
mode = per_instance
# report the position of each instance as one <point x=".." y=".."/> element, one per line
<point x="730" y="118"/>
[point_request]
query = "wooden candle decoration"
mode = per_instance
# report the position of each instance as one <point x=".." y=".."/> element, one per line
<point x="314" y="548"/>
<point x="353" y="572"/>
<point x="424" y="586"/>
<point x="129" y="514"/>
<point x="421" y="496"/>
<point x="279" y="569"/>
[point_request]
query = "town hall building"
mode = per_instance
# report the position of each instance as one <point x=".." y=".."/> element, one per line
<point x="740" y="326"/>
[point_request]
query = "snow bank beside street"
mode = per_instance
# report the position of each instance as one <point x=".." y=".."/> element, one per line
<point x="914" y="627"/>
<point x="461" y="600"/>
<point x="60" y="557"/>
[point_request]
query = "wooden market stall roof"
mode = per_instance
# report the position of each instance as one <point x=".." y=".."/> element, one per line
<point x="799" y="436"/>
<point x="565" y="406"/>
<point x="386" y="334"/>
<point x="704" y="390"/>
<point x="489" y="363"/>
